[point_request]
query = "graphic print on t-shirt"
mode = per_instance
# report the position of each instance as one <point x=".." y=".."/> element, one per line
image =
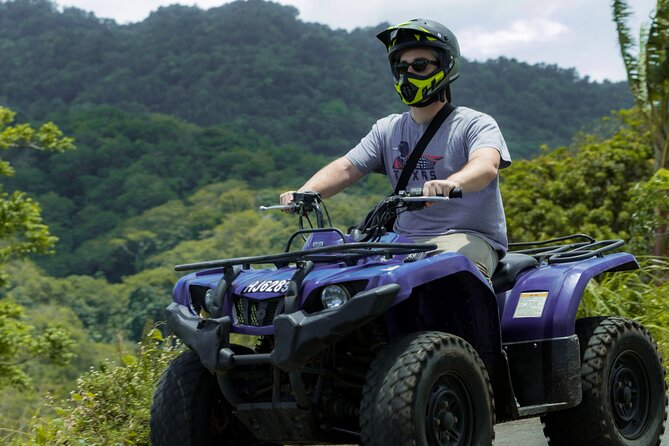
<point x="424" y="168"/>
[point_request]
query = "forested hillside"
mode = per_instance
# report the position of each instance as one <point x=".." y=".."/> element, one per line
<point x="244" y="91"/>
<point x="253" y="65"/>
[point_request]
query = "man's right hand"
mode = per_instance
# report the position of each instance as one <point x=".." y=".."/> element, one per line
<point x="286" y="198"/>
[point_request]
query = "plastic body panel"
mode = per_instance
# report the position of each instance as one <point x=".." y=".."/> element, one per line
<point x="565" y="284"/>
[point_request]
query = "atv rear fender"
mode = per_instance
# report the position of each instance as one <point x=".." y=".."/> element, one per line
<point x="544" y="301"/>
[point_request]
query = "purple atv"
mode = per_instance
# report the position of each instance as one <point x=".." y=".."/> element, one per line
<point x="362" y="338"/>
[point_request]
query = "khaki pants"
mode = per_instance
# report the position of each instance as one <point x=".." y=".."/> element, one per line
<point x="471" y="246"/>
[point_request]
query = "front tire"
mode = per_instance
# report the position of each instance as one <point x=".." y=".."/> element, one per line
<point x="188" y="408"/>
<point x="624" y="391"/>
<point x="428" y="388"/>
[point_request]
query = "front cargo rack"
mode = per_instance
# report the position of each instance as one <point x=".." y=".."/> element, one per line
<point x="345" y="252"/>
<point x="579" y="247"/>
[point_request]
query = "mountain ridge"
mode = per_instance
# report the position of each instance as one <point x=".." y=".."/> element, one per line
<point x="254" y="65"/>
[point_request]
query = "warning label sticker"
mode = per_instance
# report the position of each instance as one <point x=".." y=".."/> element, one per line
<point x="531" y="304"/>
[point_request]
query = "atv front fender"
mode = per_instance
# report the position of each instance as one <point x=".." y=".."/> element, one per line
<point x="299" y="336"/>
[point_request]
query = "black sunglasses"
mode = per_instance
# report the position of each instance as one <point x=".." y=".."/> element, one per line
<point x="418" y="65"/>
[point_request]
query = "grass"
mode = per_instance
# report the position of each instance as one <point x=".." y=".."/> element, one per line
<point x="642" y="295"/>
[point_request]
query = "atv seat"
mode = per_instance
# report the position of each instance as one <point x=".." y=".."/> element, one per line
<point x="508" y="269"/>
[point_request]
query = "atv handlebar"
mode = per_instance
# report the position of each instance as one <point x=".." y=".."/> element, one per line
<point x="373" y="226"/>
<point x="309" y="200"/>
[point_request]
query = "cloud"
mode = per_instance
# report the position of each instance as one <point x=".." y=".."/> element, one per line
<point x="478" y="42"/>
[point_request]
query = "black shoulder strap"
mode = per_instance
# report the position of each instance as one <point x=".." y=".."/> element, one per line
<point x="424" y="140"/>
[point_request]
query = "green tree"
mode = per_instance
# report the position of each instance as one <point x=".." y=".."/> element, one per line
<point x="650" y="201"/>
<point x="587" y="188"/>
<point x="647" y="65"/>
<point x="21" y="229"/>
<point x="21" y="233"/>
<point x="20" y="343"/>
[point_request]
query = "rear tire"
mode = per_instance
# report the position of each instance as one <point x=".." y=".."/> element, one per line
<point x="624" y="391"/>
<point x="428" y="388"/>
<point x="188" y="408"/>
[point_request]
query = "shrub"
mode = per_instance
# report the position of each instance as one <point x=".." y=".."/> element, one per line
<point x="111" y="404"/>
<point x="639" y="294"/>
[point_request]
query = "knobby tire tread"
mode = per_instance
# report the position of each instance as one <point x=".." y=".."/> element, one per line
<point x="589" y="424"/>
<point x="171" y="418"/>
<point x="400" y="365"/>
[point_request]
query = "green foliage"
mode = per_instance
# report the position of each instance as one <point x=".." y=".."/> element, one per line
<point x="47" y="137"/>
<point x="98" y="304"/>
<point x="17" y="406"/>
<point x="648" y="77"/>
<point x="21" y="229"/>
<point x="149" y="292"/>
<point x="271" y="124"/>
<point x="536" y="104"/>
<point x="294" y="82"/>
<point x="20" y="342"/>
<point x="97" y="197"/>
<point x="111" y="404"/>
<point x="22" y="233"/>
<point x="647" y="65"/>
<point x="650" y="202"/>
<point x="587" y="188"/>
<point x="145" y="190"/>
<point x="639" y="295"/>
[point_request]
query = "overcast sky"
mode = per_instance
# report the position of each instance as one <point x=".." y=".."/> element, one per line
<point x="569" y="33"/>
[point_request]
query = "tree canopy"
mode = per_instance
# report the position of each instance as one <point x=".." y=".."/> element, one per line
<point x="648" y="78"/>
<point x="21" y="233"/>
<point x="21" y="229"/>
<point x="254" y="65"/>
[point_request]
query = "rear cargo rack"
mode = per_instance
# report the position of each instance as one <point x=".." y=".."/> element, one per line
<point x="581" y="247"/>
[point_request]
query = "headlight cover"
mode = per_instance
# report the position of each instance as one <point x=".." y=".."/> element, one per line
<point x="334" y="296"/>
<point x="209" y="300"/>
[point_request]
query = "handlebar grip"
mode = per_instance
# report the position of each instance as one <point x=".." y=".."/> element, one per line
<point x="456" y="192"/>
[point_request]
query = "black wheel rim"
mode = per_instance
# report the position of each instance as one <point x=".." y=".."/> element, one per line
<point x="450" y="412"/>
<point x="629" y="394"/>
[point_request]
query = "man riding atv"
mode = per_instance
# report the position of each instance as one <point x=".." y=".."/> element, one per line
<point x="361" y="338"/>
<point x="466" y="151"/>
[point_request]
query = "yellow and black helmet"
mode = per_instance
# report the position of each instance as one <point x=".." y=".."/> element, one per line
<point x="415" y="89"/>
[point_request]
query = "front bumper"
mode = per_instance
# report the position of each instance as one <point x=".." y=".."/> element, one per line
<point x="298" y="336"/>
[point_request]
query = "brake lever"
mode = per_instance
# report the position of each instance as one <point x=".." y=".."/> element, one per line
<point x="281" y="207"/>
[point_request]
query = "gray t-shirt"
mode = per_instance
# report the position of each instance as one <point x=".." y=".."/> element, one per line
<point x="388" y="145"/>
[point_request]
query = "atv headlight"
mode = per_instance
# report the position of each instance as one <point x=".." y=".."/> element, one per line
<point x="334" y="296"/>
<point x="213" y="303"/>
<point x="209" y="300"/>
